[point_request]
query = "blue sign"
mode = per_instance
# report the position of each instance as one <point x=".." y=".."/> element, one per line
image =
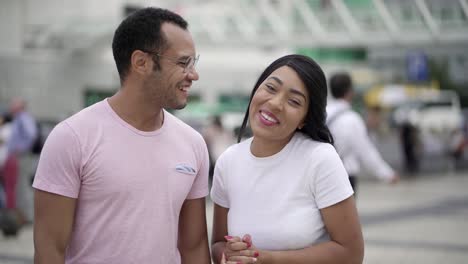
<point x="417" y="67"/>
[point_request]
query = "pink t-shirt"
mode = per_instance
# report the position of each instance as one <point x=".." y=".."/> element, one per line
<point x="130" y="185"/>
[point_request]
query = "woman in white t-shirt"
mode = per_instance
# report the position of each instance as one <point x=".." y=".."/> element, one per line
<point x="283" y="196"/>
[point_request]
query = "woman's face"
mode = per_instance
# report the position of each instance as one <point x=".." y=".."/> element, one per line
<point x="279" y="106"/>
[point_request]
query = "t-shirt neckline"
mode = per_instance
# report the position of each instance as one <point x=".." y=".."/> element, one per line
<point x="275" y="158"/>
<point x="122" y="122"/>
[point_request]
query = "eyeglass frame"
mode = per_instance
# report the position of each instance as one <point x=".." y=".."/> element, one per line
<point x="178" y="62"/>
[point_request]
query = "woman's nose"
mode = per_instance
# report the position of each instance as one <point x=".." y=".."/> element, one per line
<point x="276" y="102"/>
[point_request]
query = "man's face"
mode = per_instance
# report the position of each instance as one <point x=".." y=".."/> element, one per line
<point x="170" y="82"/>
<point x="16" y="105"/>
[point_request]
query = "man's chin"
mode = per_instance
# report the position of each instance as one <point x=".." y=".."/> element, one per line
<point x="179" y="106"/>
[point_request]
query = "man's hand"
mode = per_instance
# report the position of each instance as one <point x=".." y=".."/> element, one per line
<point x="395" y="179"/>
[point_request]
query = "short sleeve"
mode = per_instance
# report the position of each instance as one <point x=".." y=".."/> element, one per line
<point x="59" y="165"/>
<point x="200" y="185"/>
<point x="218" y="190"/>
<point x="330" y="184"/>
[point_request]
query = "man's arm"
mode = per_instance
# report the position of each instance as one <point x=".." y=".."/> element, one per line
<point x="218" y="242"/>
<point x="53" y="221"/>
<point x="193" y="237"/>
<point x="367" y="153"/>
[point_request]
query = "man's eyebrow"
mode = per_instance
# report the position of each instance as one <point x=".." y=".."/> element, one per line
<point x="184" y="57"/>
<point x="278" y="80"/>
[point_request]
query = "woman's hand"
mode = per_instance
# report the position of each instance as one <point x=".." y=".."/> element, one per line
<point x="240" y="251"/>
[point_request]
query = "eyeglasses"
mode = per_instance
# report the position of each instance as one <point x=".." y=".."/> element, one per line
<point x="186" y="63"/>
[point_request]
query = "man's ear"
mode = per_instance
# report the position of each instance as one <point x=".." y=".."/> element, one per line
<point x="140" y="62"/>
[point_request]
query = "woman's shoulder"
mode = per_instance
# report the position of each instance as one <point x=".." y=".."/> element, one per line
<point x="316" y="155"/>
<point x="311" y="148"/>
<point x="304" y="141"/>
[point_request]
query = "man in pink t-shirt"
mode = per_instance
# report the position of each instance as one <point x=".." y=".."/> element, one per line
<point x="124" y="181"/>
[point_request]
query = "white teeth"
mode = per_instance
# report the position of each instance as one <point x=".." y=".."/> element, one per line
<point x="267" y="117"/>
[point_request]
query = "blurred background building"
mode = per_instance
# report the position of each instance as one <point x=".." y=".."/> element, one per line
<point x="57" y="53"/>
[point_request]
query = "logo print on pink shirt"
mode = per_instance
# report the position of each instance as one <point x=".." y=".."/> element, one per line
<point x="183" y="168"/>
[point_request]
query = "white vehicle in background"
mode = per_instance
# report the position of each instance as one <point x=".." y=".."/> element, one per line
<point x="439" y="120"/>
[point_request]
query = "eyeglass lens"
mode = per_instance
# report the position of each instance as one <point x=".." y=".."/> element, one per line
<point x="190" y="64"/>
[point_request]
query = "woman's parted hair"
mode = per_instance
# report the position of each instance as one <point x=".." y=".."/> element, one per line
<point x="316" y="84"/>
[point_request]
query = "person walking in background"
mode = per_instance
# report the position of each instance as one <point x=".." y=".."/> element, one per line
<point x="5" y="133"/>
<point x="218" y="139"/>
<point x="23" y="132"/>
<point x="124" y="181"/>
<point x="352" y="142"/>
<point x="410" y="144"/>
<point x="283" y="195"/>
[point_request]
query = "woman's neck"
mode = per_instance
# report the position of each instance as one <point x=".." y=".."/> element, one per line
<point x="262" y="147"/>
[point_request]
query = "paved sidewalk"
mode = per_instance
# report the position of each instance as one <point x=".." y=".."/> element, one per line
<point x="420" y="221"/>
<point x="423" y="220"/>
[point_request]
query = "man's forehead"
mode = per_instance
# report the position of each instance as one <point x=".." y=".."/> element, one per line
<point x="179" y="40"/>
<point x="172" y="31"/>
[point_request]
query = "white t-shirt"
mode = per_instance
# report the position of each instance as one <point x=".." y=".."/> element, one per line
<point x="129" y="184"/>
<point x="277" y="199"/>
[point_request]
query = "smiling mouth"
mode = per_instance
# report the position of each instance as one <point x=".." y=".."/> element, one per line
<point x="184" y="88"/>
<point x="267" y="117"/>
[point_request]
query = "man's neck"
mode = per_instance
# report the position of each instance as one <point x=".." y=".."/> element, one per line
<point x="136" y="110"/>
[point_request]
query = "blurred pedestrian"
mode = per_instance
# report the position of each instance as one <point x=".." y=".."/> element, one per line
<point x="218" y="139"/>
<point x="23" y="132"/>
<point x="124" y="181"/>
<point x="5" y="133"/>
<point x="283" y="195"/>
<point x="352" y="141"/>
<point x="410" y="143"/>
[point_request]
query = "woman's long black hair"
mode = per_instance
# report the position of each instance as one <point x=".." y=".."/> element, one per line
<point x="314" y="80"/>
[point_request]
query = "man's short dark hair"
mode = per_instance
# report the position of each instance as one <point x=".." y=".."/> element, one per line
<point x="340" y="84"/>
<point x="142" y="31"/>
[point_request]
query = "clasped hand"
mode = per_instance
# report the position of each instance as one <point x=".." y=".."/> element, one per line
<point x="239" y="251"/>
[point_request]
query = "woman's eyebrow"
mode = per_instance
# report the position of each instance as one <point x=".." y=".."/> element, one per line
<point x="295" y="91"/>
<point x="278" y="80"/>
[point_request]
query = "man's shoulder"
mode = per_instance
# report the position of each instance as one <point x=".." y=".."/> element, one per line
<point x="86" y="115"/>
<point x="344" y="115"/>
<point x="87" y="119"/>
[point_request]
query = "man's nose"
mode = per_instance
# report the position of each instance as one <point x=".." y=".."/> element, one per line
<point x="192" y="74"/>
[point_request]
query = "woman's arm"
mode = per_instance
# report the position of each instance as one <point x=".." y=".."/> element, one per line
<point x="346" y="243"/>
<point x="233" y="247"/>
